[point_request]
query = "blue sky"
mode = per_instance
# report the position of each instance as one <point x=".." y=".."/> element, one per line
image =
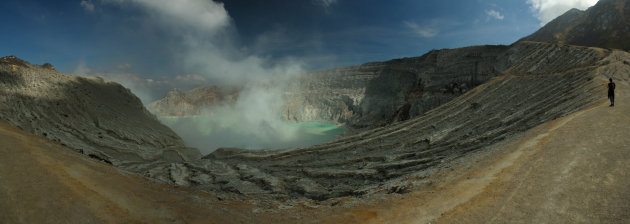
<point x="160" y="44"/>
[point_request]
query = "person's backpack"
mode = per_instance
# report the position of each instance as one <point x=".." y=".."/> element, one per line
<point x="611" y="86"/>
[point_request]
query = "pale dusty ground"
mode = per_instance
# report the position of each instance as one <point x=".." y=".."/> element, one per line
<point x="42" y="182"/>
<point x="576" y="171"/>
<point x="571" y="170"/>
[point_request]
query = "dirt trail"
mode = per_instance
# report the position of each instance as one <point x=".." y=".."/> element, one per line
<point x="575" y="172"/>
<point x="571" y="170"/>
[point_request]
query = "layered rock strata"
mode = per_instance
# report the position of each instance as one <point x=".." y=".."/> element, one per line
<point x="362" y="96"/>
<point x="540" y="82"/>
<point x="99" y="118"/>
<point x="379" y="93"/>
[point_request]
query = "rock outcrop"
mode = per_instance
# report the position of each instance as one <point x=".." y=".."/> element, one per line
<point x="99" y="118"/>
<point x="605" y="25"/>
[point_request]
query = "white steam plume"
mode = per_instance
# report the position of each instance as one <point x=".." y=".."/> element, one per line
<point x="205" y="38"/>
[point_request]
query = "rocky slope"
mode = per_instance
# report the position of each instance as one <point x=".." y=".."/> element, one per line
<point x="442" y="108"/>
<point x="367" y="95"/>
<point x="96" y="117"/>
<point x="541" y="82"/>
<point x="570" y="170"/>
<point x="379" y="93"/>
<point x="605" y="25"/>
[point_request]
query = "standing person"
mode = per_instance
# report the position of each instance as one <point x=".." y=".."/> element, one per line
<point x="611" y="92"/>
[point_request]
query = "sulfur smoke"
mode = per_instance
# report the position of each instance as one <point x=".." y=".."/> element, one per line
<point x="254" y="122"/>
<point x="205" y="44"/>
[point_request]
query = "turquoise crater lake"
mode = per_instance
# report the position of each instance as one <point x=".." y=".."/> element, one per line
<point x="208" y="133"/>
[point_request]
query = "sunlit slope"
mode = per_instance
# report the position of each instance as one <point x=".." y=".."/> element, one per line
<point x="573" y="171"/>
<point x="96" y="117"/>
<point x="543" y="83"/>
<point x="569" y="170"/>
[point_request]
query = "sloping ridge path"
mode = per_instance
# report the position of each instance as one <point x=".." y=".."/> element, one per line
<point x="576" y="170"/>
<point x="571" y="170"/>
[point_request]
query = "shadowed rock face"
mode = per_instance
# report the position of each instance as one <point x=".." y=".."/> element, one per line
<point x="373" y="94"/>
<point x="605" y="25"/>
<point x="98" y="118"/>
<point x="379" y="93"/>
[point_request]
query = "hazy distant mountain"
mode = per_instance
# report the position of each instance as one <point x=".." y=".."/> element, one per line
<point x="192" y="102"/>
<point x="606" y="25"/>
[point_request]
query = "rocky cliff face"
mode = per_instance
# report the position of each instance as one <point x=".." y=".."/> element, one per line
<point x="606" y="25"/>
<point x="96" y="117"/>
<point x="367" y="95"/>
<point x="379" y="93"/>
<point x="374" y="94"/>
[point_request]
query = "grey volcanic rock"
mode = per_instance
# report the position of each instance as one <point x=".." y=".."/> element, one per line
<point x="534" y="83"/>
<point x="375" y="94"/>
<point x="96" y="117"/>
<point x="605" y="25"/>
<point x="379" y="93"/>
<point x="539" y="83"/>
<point x="367" y="95"/>
<point x="193" y="102"/>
